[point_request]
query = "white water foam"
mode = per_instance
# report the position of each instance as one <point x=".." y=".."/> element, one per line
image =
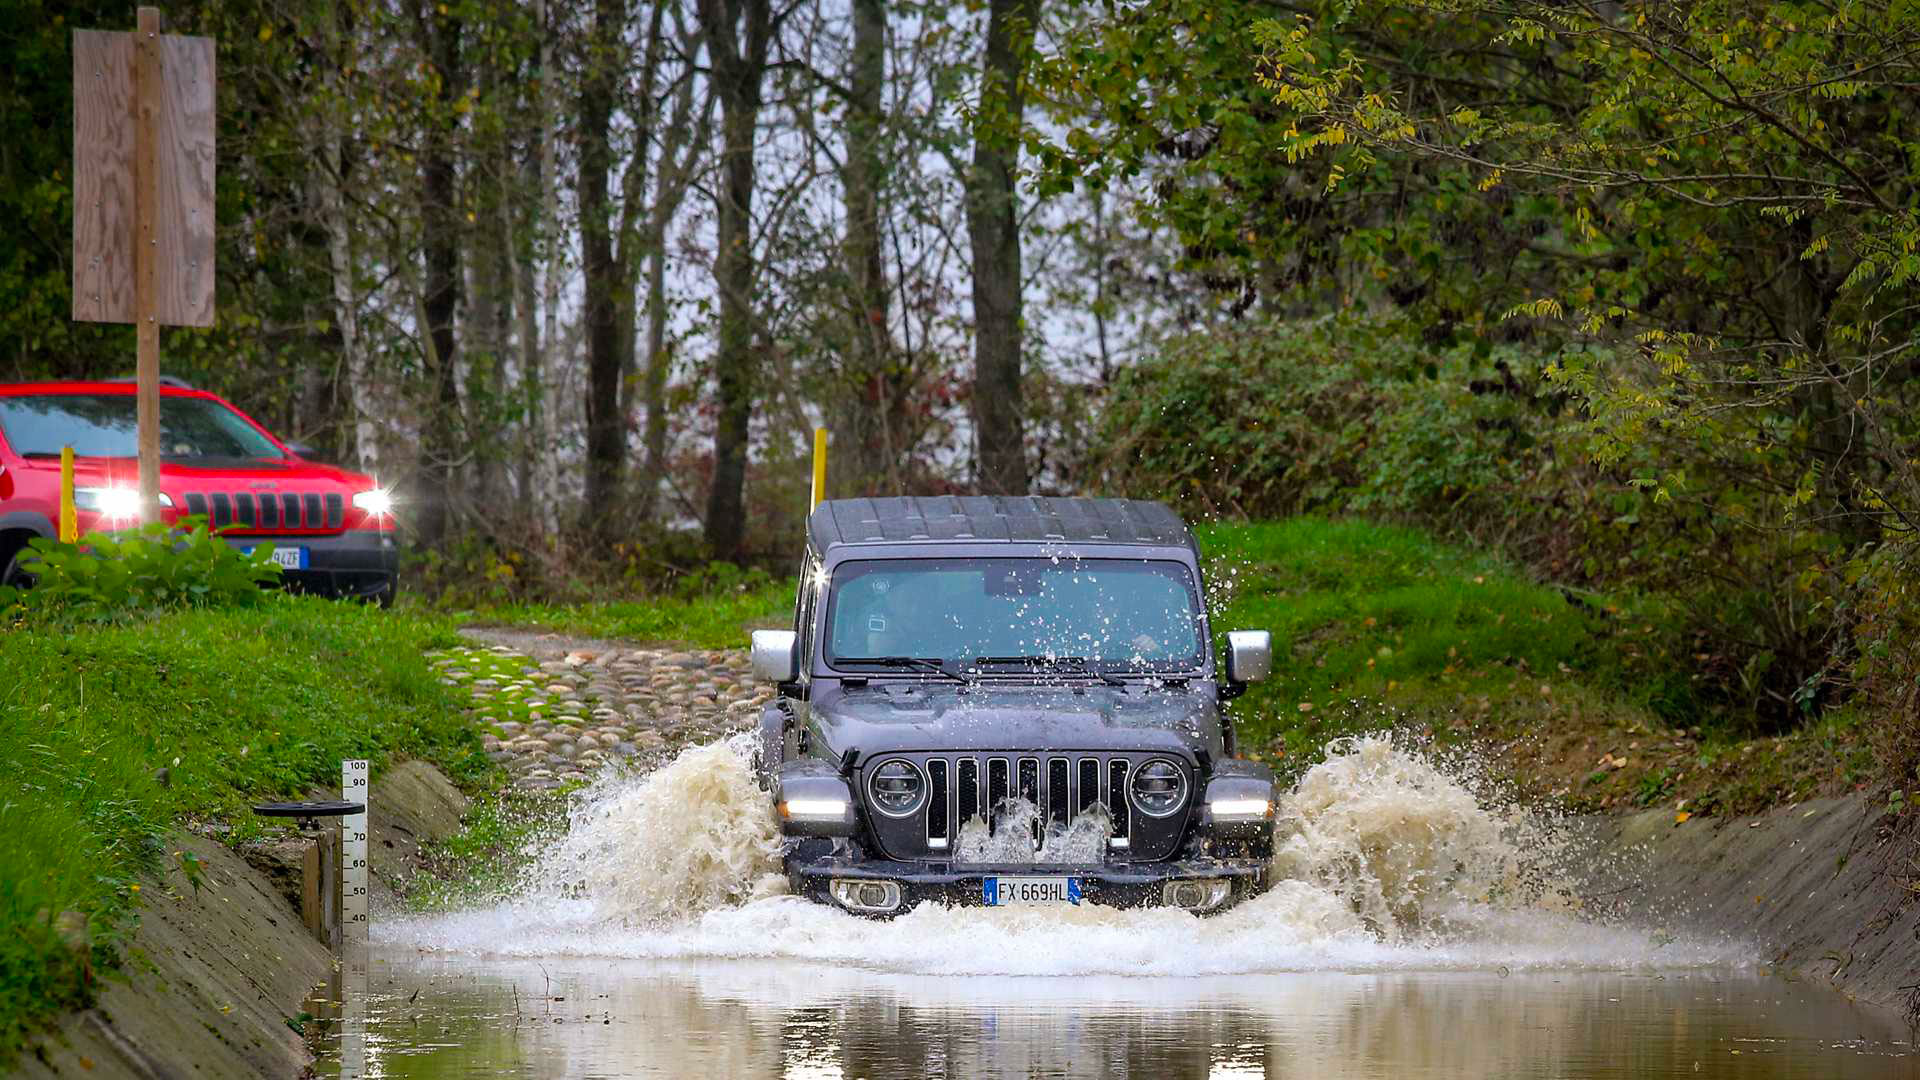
<point x="1384" y="863"/>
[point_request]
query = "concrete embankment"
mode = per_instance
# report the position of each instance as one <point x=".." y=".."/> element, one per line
<point x="1829" y="889"/>
<point x="220" y="965"/>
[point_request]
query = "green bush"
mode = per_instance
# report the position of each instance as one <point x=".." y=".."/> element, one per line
<point x="1359" y="415"/>
<point x="157" y="567"/>
<point x="1274" y="418"/>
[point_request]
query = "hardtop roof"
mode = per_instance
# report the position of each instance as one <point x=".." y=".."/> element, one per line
<point x="1017" y="519"/>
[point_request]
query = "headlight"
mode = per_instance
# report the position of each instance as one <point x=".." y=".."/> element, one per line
<point x="114" y="502"/>
<point x="378" y="502"/>
<point x="1158" y="788"/>
<point x="814" y="809"/>
<point x="896" y="788"/>
<point x="1225" y="810"/>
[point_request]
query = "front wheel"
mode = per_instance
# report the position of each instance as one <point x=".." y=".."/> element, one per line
<point x="12" y="572"/>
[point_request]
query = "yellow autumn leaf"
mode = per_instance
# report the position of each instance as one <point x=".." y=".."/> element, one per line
<point x="1681" y="817"/>
<point x="266" y="33"/>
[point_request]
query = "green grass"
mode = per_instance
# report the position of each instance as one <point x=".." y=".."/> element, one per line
<point x="1411" y="626"/>
<point x="717" y="620"/>
<point x="236" y="706"/>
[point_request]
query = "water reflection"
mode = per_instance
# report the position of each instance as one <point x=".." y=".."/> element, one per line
<point x="439" y="1016"/>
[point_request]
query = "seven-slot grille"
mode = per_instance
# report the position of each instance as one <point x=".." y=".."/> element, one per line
<point x="269" y="510"/>
<point x="1062" y="785"/>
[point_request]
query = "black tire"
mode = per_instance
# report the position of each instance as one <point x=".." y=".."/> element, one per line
<point x="11" y="573"/>
<point x="384" y="597"/>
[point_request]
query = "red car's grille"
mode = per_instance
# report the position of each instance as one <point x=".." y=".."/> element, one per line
<point x="246" y="510"/>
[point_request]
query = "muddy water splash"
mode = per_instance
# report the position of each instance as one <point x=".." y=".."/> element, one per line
<point x="1408" y="846"/>
<point x="696" y="834"/>
<point x="1012" y="838"/>
<point x="1384" y="863"/>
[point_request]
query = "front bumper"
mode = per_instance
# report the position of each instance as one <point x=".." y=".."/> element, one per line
<point x="355" y="563"/>
<point x="960" y="884"/>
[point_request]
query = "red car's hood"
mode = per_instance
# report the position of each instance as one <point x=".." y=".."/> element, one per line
<point x="247" y="497"/>
<point x="292" y="474"/>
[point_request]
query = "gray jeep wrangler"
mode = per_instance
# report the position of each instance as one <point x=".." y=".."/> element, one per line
<point x="1009" y="701"/>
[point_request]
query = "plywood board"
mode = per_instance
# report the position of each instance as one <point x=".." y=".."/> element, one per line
<point x="183" y="275"/>
<point x="102" y="176"/>
<point x="104" y="146"/>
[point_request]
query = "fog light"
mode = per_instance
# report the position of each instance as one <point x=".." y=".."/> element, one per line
<point x="869" y="897"/>
<point x="1202" y="894"/>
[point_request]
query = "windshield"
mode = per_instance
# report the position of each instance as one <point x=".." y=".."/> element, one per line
<point x="105" y="425"/>
<point x="1117" y="614"/>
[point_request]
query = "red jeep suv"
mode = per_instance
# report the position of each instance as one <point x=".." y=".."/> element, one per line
<point x="331" y="530"/>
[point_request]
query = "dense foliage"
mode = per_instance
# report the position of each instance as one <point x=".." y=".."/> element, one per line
<point x="154" y="568"/>
<point x="1698" y="219"/>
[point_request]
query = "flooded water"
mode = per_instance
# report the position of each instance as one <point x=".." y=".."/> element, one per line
<point x="1418" y="930"/>
<point x="445" y="1016"/>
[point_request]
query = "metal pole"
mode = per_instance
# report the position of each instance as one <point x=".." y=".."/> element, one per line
<point x="69" y="520"/>
<point x="819" y="466"/>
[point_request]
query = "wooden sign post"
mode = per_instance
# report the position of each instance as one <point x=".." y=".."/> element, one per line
<point x="143" y="191"/>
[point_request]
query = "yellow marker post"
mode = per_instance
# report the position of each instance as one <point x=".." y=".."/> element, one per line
<point x="819" y="466"/>
<point x="69" y="521"/>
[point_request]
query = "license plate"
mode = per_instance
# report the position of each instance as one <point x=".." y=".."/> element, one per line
<point x="289" y="558"/>
<point x="1006" y="891"/>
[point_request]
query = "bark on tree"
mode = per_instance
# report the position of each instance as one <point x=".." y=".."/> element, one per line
<point x="332" y="179"/>
<point x="737" y="34"/>
<point x="489" y="322"/>
<point x="871" y="406"/>
<point x="528" y="477"/>
<point x="440" y="286"/>
<point x="634" y="234"/>
<point x="606" y="427"/>
<point x="994" y="230"/>
<point x="542" y="428"/>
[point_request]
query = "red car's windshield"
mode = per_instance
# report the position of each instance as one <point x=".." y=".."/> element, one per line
<point x="105" y="425"/>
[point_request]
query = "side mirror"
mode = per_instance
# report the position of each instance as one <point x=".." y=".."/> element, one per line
<point x="301" y="450"/>
<point x="1249" y="655"/>
<point x="776" y="655"/>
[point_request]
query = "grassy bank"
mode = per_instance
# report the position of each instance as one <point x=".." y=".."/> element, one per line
<point x="120" y="732"/>
<point x="1585" y="698"/>
<point x="716" y="618"/>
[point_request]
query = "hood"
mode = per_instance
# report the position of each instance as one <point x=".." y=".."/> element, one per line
<point x="907" y="715"/>
<point x="297" y="473"/>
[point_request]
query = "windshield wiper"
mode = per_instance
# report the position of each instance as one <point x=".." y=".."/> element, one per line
<point x="1076" y="665"/>
<point x="916" y="663"/>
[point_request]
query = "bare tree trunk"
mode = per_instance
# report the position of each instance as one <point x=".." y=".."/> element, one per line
<point x="332" y="180"/>
<point x="654" y="393"/>
<point x="346" y="307"/>
<point x="873" y="404"/>
<point x="542" y="421"/>
<point x="526" y="470"/>
<point x="636" y="231"/>
<point x="606" y="427"/>
<point x="440" y="247"/>
<point x="737" y="33"/>
<point x="994" y="229"/>
<point x="489" y="317"/>
<point x="680" y="152"/>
